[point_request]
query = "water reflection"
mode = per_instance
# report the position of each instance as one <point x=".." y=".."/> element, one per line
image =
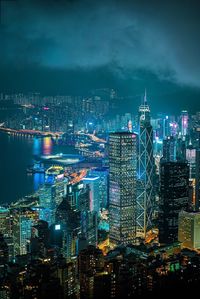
<point x="36" y="146"/>
<point x="47" y="146"/>
<point x="40" y="146"/>
<point x="38" y="180"/>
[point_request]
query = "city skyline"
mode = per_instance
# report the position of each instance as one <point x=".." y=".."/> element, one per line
<point x="136" y="45"/>
<point x="99" y="149"/>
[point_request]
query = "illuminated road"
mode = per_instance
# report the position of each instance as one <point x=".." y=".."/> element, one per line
<point x="96" y="139"/>
<point x="93" y="137"/>
<point x="87" y="153"/>
<point x="77" y="177"/>
<point x="31" y="132"/>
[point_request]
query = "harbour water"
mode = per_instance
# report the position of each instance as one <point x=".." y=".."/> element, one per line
<point x="16" y="153"/>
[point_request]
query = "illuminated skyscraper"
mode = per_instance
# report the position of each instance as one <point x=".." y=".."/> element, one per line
<point x="5" y="222"/>
<point x="191" y="158"/>
<point x="184" y="123"/>
<point x="88" y="217"/>
<point x="169" y="149"/>
<point x="93" y="181"/>
<point x="79" y="199"/>
<point x="102" y="173"/>
<point x="6" y="230"/>
<point x="145" y="168"/>
<point x="4" y="258"/>
<point x="122" y="186"/>
<point x="51" y="194"/>
<point x="23" y="220"/>
<point x="197" y="173"/>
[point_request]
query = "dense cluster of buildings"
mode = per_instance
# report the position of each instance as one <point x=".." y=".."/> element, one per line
<point x="127" y="228"/>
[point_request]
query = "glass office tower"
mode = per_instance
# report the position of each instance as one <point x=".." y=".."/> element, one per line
<point x="145" y="170"/>
<point x="122" y="187"/>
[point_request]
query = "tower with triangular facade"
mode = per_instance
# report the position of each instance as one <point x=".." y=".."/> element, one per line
<point x="145" y="169"/>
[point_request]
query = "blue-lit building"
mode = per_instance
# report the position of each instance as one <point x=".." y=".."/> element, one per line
<point x="79" y="198"/>
<point x="23" y="220"/>
<point x="51" y="194"/>
<point x="102" y="173"/>
<point x="89" y="222"/>
<point x="72" y="193"/>
<point x="45" y="214"/>
<point x="94" y="182"/>
<point x="184" y="123"/>
<point x="47" y="200"/>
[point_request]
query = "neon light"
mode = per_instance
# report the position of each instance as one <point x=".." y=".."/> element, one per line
<point x="91" y="178"/>
<point x="57" y="227"/>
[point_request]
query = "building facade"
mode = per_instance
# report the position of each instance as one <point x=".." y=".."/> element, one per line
<point x="145" y="170"/>
<point x="189" y="229"/>
<point x="122" y="187"/>
<point x="174" y="197"/>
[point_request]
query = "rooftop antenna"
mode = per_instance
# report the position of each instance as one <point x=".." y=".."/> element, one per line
<point x="145" y="97"/>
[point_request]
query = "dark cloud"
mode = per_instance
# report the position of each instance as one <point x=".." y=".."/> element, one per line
<point x="125" y="36"/>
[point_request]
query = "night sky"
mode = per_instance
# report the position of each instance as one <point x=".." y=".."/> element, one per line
<point x="69" y="47"/>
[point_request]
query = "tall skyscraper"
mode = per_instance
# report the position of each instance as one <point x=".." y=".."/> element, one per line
<point x="145" y="168"/>
<point x="180" y="150"/>
<point x="88" y="217"/>
<point x="197" y="174"/>
<point x="93" y="181"/>
<point x="169" y="149"/>
<point x="23" y="220"/>
<point x="174" y="197"/>
<point x="102" y="173"/>
<point x="68" y="222"/>
<point x="191" y="158"/>
<point x="184" y="123"/>
<point x="122" y="187"/>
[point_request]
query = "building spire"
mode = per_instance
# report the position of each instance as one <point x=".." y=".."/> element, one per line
<point x="145" y="96"/>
